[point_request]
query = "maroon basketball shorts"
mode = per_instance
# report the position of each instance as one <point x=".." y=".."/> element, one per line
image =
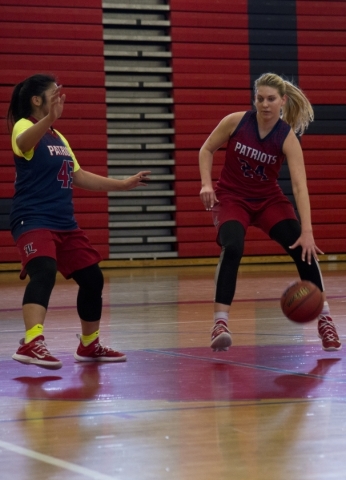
<point x="71" y="249"/>
<point x="263" y="214"/>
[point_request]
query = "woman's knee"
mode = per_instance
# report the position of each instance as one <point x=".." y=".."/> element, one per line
<point x="89" y="299"/>
<point x="231" y="237"/>
<point x="286" y="233"/>
<point x="89" y="278"/>
<point x="42" y="274"/>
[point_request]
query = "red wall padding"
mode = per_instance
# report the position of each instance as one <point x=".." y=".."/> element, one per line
<point x="321" y="38"/>
<point x="211" y="79"/>
<point x="66" y="39"/>
<point x="321" y="50"/>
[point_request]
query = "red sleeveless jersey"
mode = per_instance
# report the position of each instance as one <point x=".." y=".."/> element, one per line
<point x="252" y="164"/>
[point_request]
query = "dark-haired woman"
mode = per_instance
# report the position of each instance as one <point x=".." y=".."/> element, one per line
<point x="43" y="224"/>
<point x="247" y="193"/>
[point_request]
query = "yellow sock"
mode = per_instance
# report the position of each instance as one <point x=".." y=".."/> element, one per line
<point x="88" y="339"/>
<point x="33" y="333"/>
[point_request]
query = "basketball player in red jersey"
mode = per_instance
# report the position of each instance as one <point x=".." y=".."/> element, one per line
<point x="247" y="193"/>
<point x="43" y="224"/>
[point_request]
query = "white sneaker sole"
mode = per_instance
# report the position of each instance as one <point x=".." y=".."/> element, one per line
<point x="100" y="359"/>
<point x="36" y="361"/>
<point x="330" y="349"/>
<point x="222" y="342"/>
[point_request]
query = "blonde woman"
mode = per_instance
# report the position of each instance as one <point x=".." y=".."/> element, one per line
<point x="247" y="193"/>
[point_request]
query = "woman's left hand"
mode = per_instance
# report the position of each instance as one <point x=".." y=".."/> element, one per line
<point x="309" y="248"/>
<point x="138" y="180"/>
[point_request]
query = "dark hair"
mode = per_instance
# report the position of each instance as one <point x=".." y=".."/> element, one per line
<point x="20" y="105"/>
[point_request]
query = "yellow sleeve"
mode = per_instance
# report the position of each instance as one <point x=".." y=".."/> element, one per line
<point x="75" y="161"/>
<point x="20" y="127"/>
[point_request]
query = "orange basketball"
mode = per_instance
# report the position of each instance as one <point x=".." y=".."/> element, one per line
<point x="302" y="302"/>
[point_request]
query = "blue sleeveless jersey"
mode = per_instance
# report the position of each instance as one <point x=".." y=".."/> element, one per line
<point x="43" y="188"/>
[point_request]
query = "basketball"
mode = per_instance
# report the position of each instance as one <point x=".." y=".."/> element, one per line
<point x="302" y="302"/>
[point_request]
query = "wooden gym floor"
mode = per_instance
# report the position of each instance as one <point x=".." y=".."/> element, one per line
<point x="271" y="408"/>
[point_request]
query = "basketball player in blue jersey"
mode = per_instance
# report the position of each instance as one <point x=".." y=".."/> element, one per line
<point x="247" y="193"/>
<point x="43" y="224"/>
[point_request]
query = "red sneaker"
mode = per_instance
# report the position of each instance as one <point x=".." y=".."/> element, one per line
<point x="327" y="332"/>
<point x="220" y="337"/>
<point x="36" y="353"/>
<point x="95" y="352"/>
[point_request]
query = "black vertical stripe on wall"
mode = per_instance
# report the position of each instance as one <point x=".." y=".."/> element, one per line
<point x="273" y="48"/>
<point x="273" y="38"/>
<point x="329" y="120"/>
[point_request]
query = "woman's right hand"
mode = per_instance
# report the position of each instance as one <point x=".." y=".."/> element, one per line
<point x="56" y="104"/>
<point x="51" y="110"/>
<point x="208" y="197"/>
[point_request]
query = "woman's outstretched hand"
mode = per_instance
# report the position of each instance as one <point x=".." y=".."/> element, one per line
<point x="56" y="103"/>
<point x="138" y="180"/>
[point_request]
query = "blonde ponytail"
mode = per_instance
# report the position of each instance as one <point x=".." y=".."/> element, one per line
<point x="297" y="111"/>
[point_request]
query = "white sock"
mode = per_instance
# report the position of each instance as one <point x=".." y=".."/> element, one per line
<point x="223" y="316"/>
<point x="325" y="309"/>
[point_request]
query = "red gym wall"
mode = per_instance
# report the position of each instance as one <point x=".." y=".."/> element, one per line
<point x="211" y="78"/>
<point x="321" y="34"/>
<point x="219" y="48"/>
<point x="66" y="41"/>
<point x="214" y="64"/>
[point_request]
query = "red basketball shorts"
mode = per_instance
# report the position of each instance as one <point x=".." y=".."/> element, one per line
<point x="263" y="214"/>
<point x="71" y="249"/>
